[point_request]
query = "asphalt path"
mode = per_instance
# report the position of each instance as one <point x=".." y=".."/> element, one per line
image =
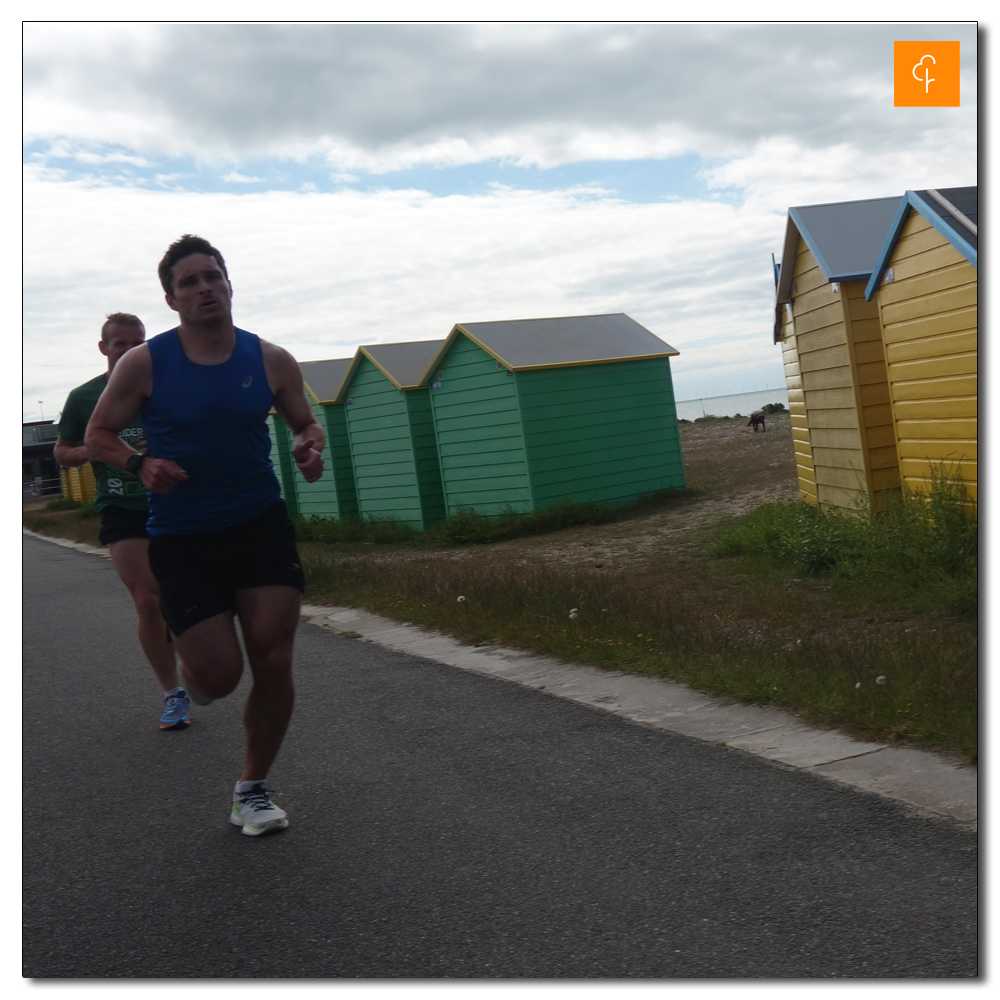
<point x="443" y="824"/>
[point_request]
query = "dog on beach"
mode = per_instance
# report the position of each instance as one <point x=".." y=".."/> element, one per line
<point x="757" y="421"/>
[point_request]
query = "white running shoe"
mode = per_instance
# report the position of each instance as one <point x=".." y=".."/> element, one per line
<point x="255" y="812"/>
<point x="192" y="692"/>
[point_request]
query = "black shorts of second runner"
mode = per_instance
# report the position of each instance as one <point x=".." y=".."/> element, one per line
<point x="119" y="523"/>
<point x="199" y="574"/>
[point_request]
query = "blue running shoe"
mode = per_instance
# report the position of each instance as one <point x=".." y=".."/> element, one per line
<point x="175" y="711"/>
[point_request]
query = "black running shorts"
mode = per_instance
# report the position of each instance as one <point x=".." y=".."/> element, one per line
<point x="199" y="574"/>
<point x="119" y="523"/>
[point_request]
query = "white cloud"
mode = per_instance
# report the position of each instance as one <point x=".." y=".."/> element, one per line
<point x="381" y="97"/>
<point x="235" y="177"/>
<point x="323" y="273"/>
<point x="779" y="172"/>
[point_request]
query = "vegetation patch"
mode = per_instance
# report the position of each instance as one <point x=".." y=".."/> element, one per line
<point x="877" y="675"/>
<point x="63" y="503"/>
<point x="469" y="527"/>
<point x="923" y="545"/>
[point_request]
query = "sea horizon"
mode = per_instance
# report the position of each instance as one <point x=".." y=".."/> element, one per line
<point x="731" y="404"/>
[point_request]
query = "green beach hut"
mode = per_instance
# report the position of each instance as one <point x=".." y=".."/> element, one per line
<point x="334" y="494"/>
<point x="391" y="433"/>
<point x="531" y="412"/>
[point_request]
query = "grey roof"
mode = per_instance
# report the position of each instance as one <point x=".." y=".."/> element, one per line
<point x="845" y="237"/>
<point x="567" y="340"/>
<point x="848" y="236"/>
<point x="324" y="377"/>
<point x="405" y="363"/>
<point x="966" y="200"/>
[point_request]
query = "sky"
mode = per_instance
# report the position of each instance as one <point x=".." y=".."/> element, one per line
<point x="372" y="183"/>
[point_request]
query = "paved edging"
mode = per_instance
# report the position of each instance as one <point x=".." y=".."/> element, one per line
<point x="921" y="779"/>
<point x="92" y="550"/>
<point x="918" y="778"/>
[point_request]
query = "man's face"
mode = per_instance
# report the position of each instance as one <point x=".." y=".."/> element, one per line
<point x="119" y="338"/>
<point x="201" y="292"/>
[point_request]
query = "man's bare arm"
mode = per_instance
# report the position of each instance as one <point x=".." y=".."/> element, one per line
<point x="129" y="386"/>
<point x="285" y="380"/>
<point x="70" y="456"/>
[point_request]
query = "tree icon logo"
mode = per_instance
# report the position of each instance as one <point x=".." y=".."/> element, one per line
<point x="917" y="65"/>
<point x="926" y="79"/>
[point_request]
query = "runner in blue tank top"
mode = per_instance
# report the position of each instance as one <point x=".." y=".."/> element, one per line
<point x="221" y="542"/>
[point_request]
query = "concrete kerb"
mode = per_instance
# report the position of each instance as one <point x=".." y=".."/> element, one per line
<point x="925" y="781"/>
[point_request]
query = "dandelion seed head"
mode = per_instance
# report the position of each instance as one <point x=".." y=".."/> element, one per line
<point x="858" y="684"/>
<point x="461" y="599"/>
<point x="881" y="679"/>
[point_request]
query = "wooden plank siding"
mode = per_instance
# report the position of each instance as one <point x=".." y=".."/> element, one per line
<point x="333" y="494"/>
<point x="838" y="395"/>
<point x="341" y="468"/>
<point x="480" y="441"/>
<point x="281" y="459"/>
<point x="929" y="319"/>
<point x="801" y="440"/>
<point x="390" y="472"/>
<point x="830" y="401"/>
<point x="871" y="387"/>
<point x="318" y="499"/>
<point x="425" y="455"/>
<point x="604" y="432"/>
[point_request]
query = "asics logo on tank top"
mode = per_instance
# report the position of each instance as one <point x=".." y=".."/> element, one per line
<point x="247" y="381"/>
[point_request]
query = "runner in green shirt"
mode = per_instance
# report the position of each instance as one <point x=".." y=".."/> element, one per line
<point x="121" y="500"/>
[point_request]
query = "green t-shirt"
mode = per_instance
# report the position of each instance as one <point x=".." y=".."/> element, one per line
<point x="119" y="489"/>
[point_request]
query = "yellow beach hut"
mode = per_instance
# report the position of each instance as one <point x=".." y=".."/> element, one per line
<point x="832" y="351"/>
<point x="925" y="283"/>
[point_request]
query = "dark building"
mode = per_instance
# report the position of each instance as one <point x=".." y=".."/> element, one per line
<point x="40" y="470"/>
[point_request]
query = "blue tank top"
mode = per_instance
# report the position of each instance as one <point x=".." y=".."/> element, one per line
<point x="212" y="421"/>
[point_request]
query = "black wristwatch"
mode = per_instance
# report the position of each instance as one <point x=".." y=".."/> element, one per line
<point x="133" y="462"/>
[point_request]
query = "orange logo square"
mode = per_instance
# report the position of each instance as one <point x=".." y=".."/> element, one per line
<point x="925" y="74"/>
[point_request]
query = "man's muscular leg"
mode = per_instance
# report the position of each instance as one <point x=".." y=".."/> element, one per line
<point x="211" y="654"/>
<point x="130" y="557"/>
<point x="269" y="617"/>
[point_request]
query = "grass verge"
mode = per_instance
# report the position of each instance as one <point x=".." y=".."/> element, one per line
<point x="867" y="625"/>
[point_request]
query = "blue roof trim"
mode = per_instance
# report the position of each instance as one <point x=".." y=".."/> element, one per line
<point x="911" y="201"/>
<point x="969" y="252"/>
<point x="899" y="220"/>
<point x="811" y="243"/>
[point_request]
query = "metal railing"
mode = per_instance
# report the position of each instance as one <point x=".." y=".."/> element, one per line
<point x="38" y="489"/>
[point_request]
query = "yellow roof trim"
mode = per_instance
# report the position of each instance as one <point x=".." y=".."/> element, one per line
<point x="446" y="346"/>
<point x="308" y="389"/>
<point x="458" y="328"/>
<point x="348" y="376"/>
<point x="361" y="350"/>
<point x="595" y="361"/>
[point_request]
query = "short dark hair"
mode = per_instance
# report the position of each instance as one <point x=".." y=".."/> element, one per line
<point x="120" y="319"/>
<point x="181" y="248"/>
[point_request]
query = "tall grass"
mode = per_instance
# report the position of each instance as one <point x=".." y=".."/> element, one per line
<point x="923" y="544"/>
<point x="692" y="628"/>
